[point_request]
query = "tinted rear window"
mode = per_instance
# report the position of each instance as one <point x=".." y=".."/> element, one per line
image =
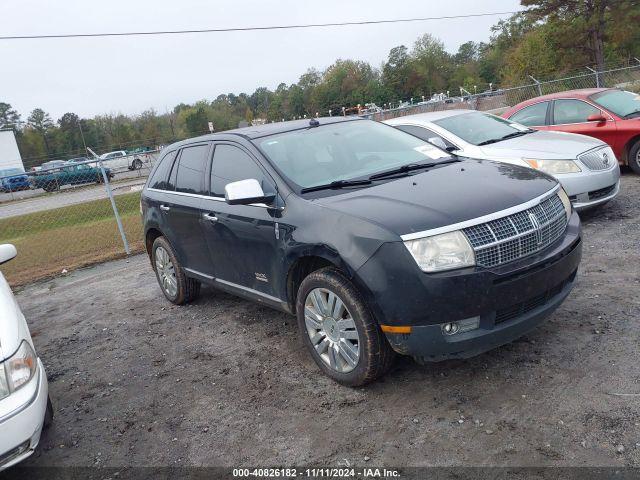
<point x="191" y="169"/>
<point x="159" y="179"/>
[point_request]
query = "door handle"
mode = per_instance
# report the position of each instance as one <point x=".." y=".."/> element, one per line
<point x="165" y="208"/>
<point x="210" y="217"/>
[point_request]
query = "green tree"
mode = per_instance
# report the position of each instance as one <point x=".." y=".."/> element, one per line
<point x="431" y="66"/>
<point x="581" y="24"/>
<point x="197" y="121"/>
<point x="9" y="117"/>
<point x="395" y="72"/>
<point x="41" y="122"/>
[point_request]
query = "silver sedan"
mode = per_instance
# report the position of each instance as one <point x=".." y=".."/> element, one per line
<point x="586" y="167"/>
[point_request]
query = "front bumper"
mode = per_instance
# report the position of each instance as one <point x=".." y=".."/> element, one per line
<point x="588" y="189"/>
<point x="509" y="300"/>
<point x="429" y="344"/>
<point x="20" y="430"/>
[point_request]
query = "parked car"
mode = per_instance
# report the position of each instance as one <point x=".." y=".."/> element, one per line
<point x="122" y="159"/>
<point x="586" y="167"/>
<point x="608" y="114"/>
<point x="25" y="407"/>
<point x="51" y="165"/>
<point x="377" y="241"/>
<point x="68" y="174"/>
<point x="13" y="179"/>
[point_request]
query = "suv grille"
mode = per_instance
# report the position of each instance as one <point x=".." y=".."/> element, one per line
<point x="600" y="159"/>
<point x="519" y="235"/>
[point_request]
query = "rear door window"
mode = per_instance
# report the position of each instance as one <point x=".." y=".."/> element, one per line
<point x="190" y="169"/>
<point x="572" y="111"/>
<point x="160" y="177"/>
<point x="425" y="134"/>
<point x="532" y="116"/>
<point x="232" y="164"/>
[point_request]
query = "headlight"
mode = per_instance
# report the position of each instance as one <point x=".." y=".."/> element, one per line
<point x="565" y="201"/>
<point x="442" y="252"/>
<point x="17" y="370"/>
<point x="553" y="167"/>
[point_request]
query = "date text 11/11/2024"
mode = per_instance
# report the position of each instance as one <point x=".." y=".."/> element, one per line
<point x="371" y="472"/>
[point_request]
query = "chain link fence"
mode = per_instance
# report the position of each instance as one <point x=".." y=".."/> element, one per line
<point x="72" y="213"/>
<point x="497" y="101"/>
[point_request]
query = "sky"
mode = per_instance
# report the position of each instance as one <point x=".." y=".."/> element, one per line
<point x="91" y="76"/>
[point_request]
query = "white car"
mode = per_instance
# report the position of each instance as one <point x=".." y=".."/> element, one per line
<point x="586" y="167"/>
<point x="25" y="407"/>
<point x="121" y="159"/>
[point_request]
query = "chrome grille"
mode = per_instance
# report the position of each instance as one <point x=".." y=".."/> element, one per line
<point x="515" y="236"/>
<point x="599" y="159"/>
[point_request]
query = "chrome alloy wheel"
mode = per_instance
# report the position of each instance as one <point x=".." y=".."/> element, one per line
<point x="331" y="330"/>
<point x="166" y="272"/>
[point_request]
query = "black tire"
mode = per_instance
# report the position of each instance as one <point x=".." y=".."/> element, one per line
<point x="634" y="159"/>
<point x="376" y="355"/>
<point x="188" y="289"/>
<point x="137" y="164"/>
<point x="48" y="414"/>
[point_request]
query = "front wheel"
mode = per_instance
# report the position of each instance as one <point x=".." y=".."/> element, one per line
<point x="176" y="286"/>
<point x="342" y="336"/>
<point x="634" y="157"/>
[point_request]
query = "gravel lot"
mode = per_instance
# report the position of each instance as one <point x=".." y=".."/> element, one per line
<point x="136" y="381"/>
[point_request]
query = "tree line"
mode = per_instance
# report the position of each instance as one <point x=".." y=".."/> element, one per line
<point x="550" y="38"/>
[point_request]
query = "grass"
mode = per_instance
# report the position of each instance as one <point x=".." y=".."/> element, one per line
<point x="69" y="237"/>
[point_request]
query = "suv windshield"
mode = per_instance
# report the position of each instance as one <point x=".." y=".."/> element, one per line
<point x="344" y="151"/>
<point x="481" y="128"/>
<point x="622" y="103"/>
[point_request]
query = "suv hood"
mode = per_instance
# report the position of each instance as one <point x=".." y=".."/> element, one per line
<point x="542" y="145"/>
<point x="442" y="196"/>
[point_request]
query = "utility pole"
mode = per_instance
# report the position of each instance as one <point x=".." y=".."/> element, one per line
<point x="82" y="134"/>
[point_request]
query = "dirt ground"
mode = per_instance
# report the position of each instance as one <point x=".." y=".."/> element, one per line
<point x="224" y="382"/>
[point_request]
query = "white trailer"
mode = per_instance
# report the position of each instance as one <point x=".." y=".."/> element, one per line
<point x="9" y="154"/>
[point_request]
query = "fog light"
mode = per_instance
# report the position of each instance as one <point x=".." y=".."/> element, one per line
<point x="450" y="328"/>
<point x="461" y="326"/>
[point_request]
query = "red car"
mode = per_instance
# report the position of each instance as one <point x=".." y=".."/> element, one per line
<point x="609" y="114"/>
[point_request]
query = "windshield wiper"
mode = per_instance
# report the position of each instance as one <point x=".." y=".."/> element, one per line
<point x="405" y="169"/>
<point x="509" y="135"/>
<point x="336" y="184"/>
<point x="632" y="114"/>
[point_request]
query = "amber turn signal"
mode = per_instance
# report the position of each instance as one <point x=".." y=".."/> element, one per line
<point x="392" y="329"/>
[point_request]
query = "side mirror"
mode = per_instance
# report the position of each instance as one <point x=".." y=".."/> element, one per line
<point x="246" y="192"/>
<point x="597" y="117"/>
<point x="437" y="142"/>
<point x="7" y="252"/>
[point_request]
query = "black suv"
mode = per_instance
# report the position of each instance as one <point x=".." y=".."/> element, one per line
<point x="376" y="240"/>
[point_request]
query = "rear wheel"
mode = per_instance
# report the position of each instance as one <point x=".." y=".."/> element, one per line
<point x="634" y="157"/>
<point x="176" y="286"/>
<point x="137" y="164"/>
<point x="342" y="336"/>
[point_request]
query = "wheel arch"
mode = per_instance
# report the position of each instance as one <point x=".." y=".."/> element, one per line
<point x="628" y="146"/>
<point x="304" y="263"/>
<point x="150" y="236"/>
